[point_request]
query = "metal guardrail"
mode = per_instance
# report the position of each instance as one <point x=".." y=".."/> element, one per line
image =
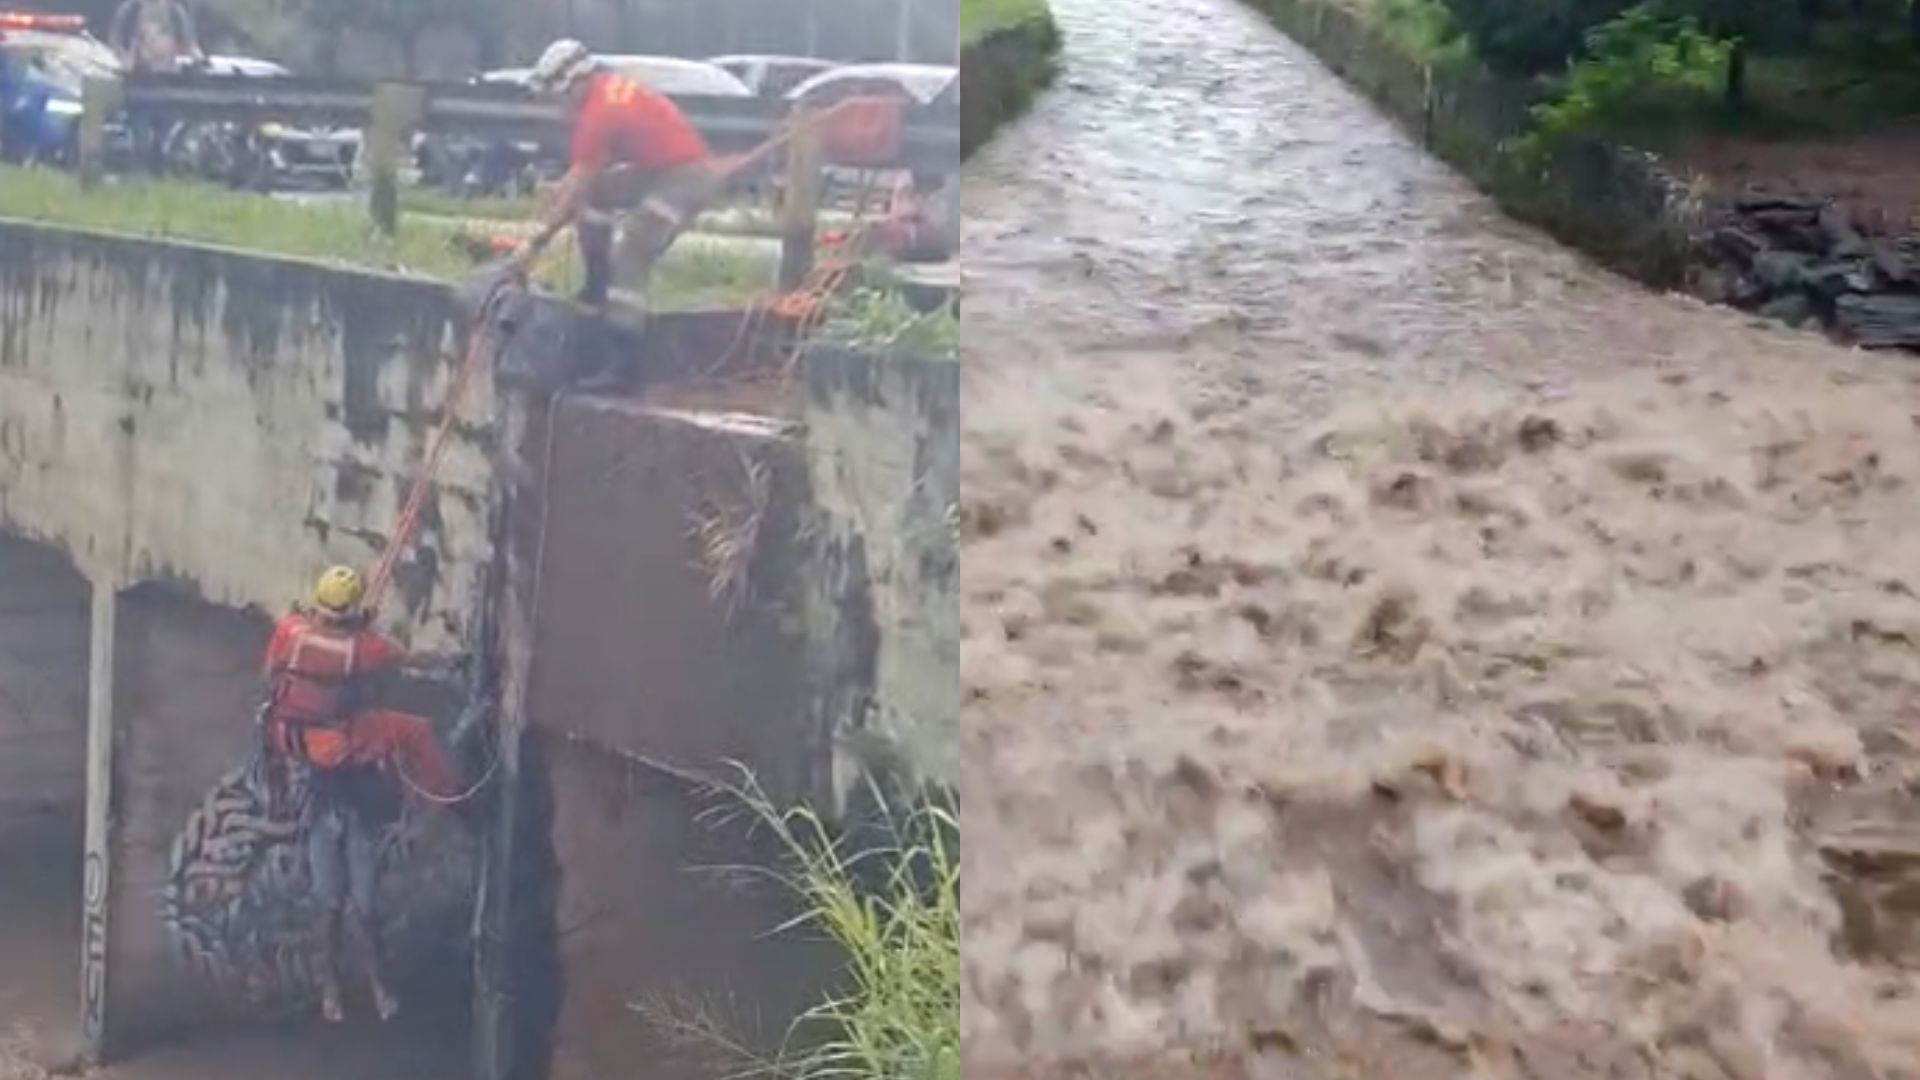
<point x="931" y="139"/>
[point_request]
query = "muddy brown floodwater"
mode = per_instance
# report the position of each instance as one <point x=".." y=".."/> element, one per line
<point x="1393" y="645"/>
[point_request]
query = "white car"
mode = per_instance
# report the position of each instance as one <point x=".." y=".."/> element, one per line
<point x="924" y="83"/>
<point x="772" y="76"/>
<point x="521" y="77"/>
<point x="677" y="77"/>
<point x="245" y="67"/>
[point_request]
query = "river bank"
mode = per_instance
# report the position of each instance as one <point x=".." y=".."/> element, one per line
<point x="1676" y="219"/>
<point x="1006" y="57"/>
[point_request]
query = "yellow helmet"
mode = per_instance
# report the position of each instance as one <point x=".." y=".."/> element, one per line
<point x="339" y="590"/>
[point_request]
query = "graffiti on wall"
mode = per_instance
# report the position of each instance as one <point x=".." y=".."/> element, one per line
<point x="236" y="904"/>
<point x="93" y="952"/>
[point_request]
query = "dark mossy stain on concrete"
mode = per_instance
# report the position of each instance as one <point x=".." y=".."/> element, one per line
<point x="415" y="576"/>
<point x="353" y="483"/>
<point x="379" y="319"/>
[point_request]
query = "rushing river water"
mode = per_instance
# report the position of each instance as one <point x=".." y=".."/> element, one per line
<point x="1196" y="183"/>
<point x="1198" y="245"/>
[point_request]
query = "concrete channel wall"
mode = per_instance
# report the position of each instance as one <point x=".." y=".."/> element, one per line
<point x="199" y="432"/>
<point x="770" y="589"/>
<point x="231" y="423"/>
<point x="770" y="584"/>
<point x="43" y="694"/>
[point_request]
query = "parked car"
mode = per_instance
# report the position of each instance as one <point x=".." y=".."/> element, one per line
<point x="922" y="83"/>
<point x="772" y="76"/>
<point x="471" y="167"/>
<point x="678" y="76"/>
<point x="44" y="64"/>
<point x="263" y="156"/>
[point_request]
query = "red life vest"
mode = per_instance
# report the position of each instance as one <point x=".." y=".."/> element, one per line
<point x="313" y="685"/>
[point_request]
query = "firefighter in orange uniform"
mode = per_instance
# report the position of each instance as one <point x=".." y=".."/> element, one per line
<point x="325" y="669"/>
<point x="634" y="155"/>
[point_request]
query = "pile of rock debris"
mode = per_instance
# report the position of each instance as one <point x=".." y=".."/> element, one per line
<point x="1800" y="259"/>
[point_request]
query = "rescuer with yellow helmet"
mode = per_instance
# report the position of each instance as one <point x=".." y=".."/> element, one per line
<point x="325" y="669"/>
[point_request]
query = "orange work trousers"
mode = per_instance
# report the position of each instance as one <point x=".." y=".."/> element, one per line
<point x="385" y="737"/>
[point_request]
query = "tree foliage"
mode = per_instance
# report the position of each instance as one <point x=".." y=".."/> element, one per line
<point x="1643" y="71"/>
<point x="1530" y="37"/>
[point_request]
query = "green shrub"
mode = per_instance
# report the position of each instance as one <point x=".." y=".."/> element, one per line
<point x="894" y="911"/>
<point x="1529" y="37"/>
<point x="877" y="315"/>
<point x="1645" y="73"/>
<point x="1424" y="28"/>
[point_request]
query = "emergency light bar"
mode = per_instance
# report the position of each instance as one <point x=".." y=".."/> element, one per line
<point x="34" y="20"/>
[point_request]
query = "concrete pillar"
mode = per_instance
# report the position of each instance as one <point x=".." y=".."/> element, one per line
<point x="501" y="1049"/>
<point x="101" y="736"/>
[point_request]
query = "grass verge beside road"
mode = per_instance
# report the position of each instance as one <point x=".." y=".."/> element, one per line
<point x="694" y="275"/>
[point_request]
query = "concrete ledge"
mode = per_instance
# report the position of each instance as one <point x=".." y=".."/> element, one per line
<point x="1614" y="203"/>
<point x="1000" y="73"/>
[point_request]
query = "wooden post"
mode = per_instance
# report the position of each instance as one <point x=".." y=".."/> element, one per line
<point x="101" y="827"/>
<point x="398" y="109"/>
<point x="99" y="99"/>
<point x="800" y="216"/>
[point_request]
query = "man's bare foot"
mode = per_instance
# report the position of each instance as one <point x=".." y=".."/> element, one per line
<point x="385" y="1003"/>
<point x="330" y="1008"/>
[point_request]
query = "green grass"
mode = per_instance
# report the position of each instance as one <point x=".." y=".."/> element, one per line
<point x="878" y="316"/>
<point x="1423" y="28"/>
<point x="440" y="204"/>
<point x="894" y="911"/>
<point x="693" y="275"/>
<point x="212" y="215"/>
<point x="981" y="17"/>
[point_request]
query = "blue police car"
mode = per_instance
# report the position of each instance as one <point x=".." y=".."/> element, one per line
<point x="45" y="61"/>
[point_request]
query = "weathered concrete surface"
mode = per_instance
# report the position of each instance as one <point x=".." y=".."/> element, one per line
<point x="647" y="920"/>
<point x="232" y="422"/>
<point x="668" y="642"/>
<point x="719" y="586"/>
<point x="651" y="510"/>
<point x="745" y="577"/>
<point x="43" y="689"/>
<point x="186" y="682"/>
<point x="881" y="580"/>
